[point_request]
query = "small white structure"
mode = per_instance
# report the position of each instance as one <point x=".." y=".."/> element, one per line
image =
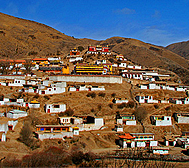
<point x="2" y="136"/>
<point x="66" y="120"/>
<point x="160" y="150"/>
<point x="122" y="65"/>
<point x="132" y="75"/>
<point x="55" y="88"/>
<point x="145" y="99"/>
<point x="159" y="120"/>
<point x="179" y="100"/>
<point x="131" y="140"/>
<point x="16" y="114"/>
<point x="17" y="82"/>
<point x="86" y="88"/>
<point x="75" y="59"/>
<point x="99" y="122"/>
<point x="53" y="132"/>
<point x="128" y="119"/>
<point x="55" y="108"/>
<point x="7" y="124"/>
<point x="34" y="104"/>
<point x="120" y="100"/>
<point x="182" y="118"/>
<point x="98" y="62"/>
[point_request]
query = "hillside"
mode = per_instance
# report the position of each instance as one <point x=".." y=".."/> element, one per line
<point x="21" y="38"/>
<point x="24" y="38"/>
<point x="181" y="48"/>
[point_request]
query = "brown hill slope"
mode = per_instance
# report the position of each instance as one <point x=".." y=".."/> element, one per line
<point x="181" y="48"/>
<point x="21" y="38"/>
<point x="149" y="55"/>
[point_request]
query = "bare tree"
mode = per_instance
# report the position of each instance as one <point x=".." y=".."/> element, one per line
<point x="28" y="65"/>
<point x="140" y="114"/>
<point x="4" y="67"/>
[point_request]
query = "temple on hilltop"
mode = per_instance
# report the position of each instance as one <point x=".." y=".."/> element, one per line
<point x="98" y="50"/>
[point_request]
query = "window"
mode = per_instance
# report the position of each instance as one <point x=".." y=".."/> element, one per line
<point x="167" y="118"/>
<point x="18" y="81"/>
<point x="56" y="106"/>
<point x="49" y="89"/>
<point x="54" y="88"/>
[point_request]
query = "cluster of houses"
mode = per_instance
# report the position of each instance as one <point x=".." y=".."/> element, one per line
<point x="136" y="72"/>
<point x="47" y="87"/>
<point x="164" y="86"/>
<point x="69" y="127"/>
<point x="19" y="103"/>
<point x="150" y="99"/>
<point x="48" y="65"/>
<point x="9" y="120"/>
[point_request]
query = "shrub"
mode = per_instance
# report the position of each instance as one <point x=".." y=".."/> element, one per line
<point x="168" y="108"/>
<point x="77" y="157"/>
<point x="80" y="48"/>
<point x="111" y="105"/>
<point x="156" y="106"/>
<point x="69" y="112"/>
<point x="26" y="134"/>
<point x="36" y="96"/>
<point x="130" y="104"/>
<point x="91" y="94"/>
<point x="99" y="107"/>
<point x="46" y="97"/>
<point x="122" y="105"/>
<point x="140" y="114"/>
<point x="101" y="94"/>
<point x="113" y="94"/>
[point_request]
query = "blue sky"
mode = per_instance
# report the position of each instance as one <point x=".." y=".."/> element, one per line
<point x="160" y="22"/>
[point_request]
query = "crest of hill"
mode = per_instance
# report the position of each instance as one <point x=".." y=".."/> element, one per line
<point x="181" y="48"/>
<point x="25" y="38"/>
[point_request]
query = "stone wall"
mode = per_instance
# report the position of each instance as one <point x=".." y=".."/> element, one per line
<point x="87" y="78"/>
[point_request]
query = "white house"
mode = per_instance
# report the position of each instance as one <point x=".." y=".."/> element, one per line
<point x="122" y="65"/>
<point x="7" y="124"/>
<point x="67" y="120"/>
<point x="179" y="100"/>
<point x="126" y="119"/>
<point x="100" y="62"/>
<point x="16" y="114"/>
<point x="131" y="140"/>
<point x="86" y="88"/>
<point x="134" y="67"/>
<point x="145" y="99"/>
<point x="120" y="100"/>
<point x="160" y="150"/>
<point x="2" y="136"/>
<point x="17" y="82"/>
<point x="34" y="104"/>
<point x="55" y="108"/>
<point x="52" y="90"/>
<point x="54" y="132"/>
<point x="160" y="120"/>
<point x="182" y="118"/>
<point x="75" y="59"/>
<point x="132" y="75"/>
